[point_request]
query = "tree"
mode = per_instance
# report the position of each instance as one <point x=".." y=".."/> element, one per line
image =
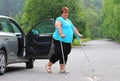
<point x="92" y="12"/>
<point x="111" y="19"/>
<point x="36" y="10"/>
<point x="10" y="7"/>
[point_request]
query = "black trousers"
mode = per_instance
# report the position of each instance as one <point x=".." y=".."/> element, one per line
<point x="57" y="55"/>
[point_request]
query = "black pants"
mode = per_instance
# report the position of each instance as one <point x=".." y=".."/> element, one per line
<point x="57" y="55"/>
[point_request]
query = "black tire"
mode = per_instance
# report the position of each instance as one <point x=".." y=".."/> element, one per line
<point x="2" y="62"/>
<point x="30" y="64"/>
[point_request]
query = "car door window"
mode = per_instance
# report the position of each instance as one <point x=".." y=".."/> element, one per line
<point x="6" y="27"/>
<point x="43" y="28"/>
<point x="15" y="28"/>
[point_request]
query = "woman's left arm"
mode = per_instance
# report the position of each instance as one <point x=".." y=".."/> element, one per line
<point x="77" y="32"/>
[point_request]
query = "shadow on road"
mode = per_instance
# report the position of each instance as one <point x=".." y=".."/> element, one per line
<point x="12" y="69"/>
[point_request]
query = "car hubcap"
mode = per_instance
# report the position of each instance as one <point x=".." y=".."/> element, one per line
<point x="2" y="62"/>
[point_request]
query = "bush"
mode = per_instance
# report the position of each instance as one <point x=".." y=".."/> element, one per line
<point x="76" y="42"/>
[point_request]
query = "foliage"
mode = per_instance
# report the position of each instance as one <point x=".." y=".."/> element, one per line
<point x="77" y="43"/>
<point x="36" y="10"/>
<point x="85" y="14"/>
<point x="92" y="12"/>
<point x="10" y="7"/>
<point x="111" y="19"/>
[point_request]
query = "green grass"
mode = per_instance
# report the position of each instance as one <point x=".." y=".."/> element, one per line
<point x="76" y="42"/>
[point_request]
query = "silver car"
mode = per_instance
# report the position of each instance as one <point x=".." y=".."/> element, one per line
<point x="17" y="47"/>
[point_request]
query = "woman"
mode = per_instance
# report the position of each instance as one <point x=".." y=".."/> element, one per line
<point x="63" y="34"/>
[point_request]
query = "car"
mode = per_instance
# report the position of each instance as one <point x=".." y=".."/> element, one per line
<point x="16" y="46"/>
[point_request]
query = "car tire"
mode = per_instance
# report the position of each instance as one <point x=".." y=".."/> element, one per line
<point x="30" y="64"/>
<point x="2" y="62"/>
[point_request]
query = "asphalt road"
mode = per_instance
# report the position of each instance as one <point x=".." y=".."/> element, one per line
<point x="103" y="56"/>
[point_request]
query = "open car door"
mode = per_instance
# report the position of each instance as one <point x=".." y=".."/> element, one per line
<point x="39" y="43"/>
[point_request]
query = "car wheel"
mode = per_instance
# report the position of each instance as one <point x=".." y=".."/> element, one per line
<point x="30" y="64"/>
<point x="2" y="62"/>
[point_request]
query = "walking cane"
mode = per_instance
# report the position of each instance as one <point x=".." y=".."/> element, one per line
<point x="92" y="69"/>
<point x="63" y="56"/>
<point x="78" y="38"/>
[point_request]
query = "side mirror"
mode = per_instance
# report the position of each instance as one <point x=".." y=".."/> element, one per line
<point x="1" y="27"/>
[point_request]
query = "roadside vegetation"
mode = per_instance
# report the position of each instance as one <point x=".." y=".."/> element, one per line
<point x="77" y="43"/>
<point x="93" y="18"/>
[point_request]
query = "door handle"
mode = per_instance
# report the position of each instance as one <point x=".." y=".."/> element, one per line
<point x="6" y="39"/>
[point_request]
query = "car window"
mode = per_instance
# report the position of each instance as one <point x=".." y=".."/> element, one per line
<point x="15" y="28"/>
<point x="44" y="27"/>
<point x="6" y="27"/>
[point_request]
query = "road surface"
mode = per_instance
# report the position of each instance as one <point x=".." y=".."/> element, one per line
<point x="103" y="56"/>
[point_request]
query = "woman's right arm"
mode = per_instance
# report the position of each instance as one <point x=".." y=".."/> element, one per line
<point x="58" y="26"/>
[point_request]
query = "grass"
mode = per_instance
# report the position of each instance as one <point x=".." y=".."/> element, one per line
<point x="76" y="42"/>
